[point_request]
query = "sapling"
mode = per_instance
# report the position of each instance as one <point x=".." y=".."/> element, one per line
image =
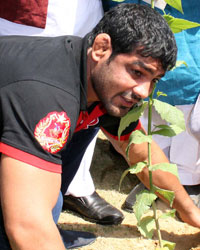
<point x="146" y="198"/>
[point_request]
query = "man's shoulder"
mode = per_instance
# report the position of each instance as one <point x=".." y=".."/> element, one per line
<point x="48" y="59"/>
<point x="26" y="43"/>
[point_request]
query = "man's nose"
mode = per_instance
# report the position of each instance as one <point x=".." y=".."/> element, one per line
<point x="143" y="90"/>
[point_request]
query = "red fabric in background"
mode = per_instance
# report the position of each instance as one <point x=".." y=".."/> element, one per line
<point x="28" y="12"/>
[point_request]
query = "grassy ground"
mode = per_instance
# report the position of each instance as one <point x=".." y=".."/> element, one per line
<point x="106" y="171"/>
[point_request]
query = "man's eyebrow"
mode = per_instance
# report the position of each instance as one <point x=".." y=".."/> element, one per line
<point x="142" y="65"/>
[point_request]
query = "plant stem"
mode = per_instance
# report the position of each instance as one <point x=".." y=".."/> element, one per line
<point x="157" y="224"/>
<point x="149" y="144"/>
<point x="150" y="172"/>
<point x="152" y="4"/>
<point x="149" y="160"/>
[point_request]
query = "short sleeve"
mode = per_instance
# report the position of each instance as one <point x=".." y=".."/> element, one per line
<point x="37" y="122"/>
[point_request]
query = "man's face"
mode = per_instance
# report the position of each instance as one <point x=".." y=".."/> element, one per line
<point x="124" y="81"/>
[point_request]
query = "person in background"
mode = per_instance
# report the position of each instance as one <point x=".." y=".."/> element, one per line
<point x="182" y="87"/>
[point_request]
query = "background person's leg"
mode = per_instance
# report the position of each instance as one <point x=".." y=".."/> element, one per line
<point x="72" y="158"/>
<point x="82" y="198"/>
<point x="58" y="208"/>
<point x="83" y="177"/>
<point x="71" y="239"/>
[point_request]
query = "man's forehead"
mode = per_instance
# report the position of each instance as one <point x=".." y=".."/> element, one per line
<point x="146" y="62"/>
<point x="150" y="65"/>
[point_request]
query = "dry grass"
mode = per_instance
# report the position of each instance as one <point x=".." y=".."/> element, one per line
<point x="106" y="171"/>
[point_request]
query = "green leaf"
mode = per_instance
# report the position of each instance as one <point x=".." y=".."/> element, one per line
<point x="146" y="226"/>
<point x="170" y="114"/>
<point x="171" y="213"/>
<point x="168" y="167"/>
<point x="143" y="203"/>
<point x="177" y="4"/>
<point x="167" y="130"/>
<point x="167" y="194"/>
<point x="137" y="137"/>
<point x="134" y="169"/>
<point x="123" y="176"/>
<point x="178" y="64"/>
<point x="132" y="116"/>
<point x="178" y="24"/>
<point x="168" y="244"/>
<point x="137" y="168"/>
<point x="160" y="93"/>
<point x="118" y="0"/>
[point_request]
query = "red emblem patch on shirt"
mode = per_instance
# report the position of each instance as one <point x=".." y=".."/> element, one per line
<point x="52" y="131"/>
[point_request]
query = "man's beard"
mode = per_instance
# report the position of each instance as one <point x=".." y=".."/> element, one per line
<point x="113" y="110"/>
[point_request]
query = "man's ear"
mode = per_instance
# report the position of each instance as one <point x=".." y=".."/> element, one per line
<point x="101" y="46"/>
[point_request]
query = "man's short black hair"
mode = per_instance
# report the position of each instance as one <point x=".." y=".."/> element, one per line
<point x="134" y="27"/>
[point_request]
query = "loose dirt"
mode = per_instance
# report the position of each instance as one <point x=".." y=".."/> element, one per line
<point x="106" y="170"/>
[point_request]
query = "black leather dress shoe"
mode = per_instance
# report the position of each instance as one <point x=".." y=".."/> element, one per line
<point x="94" y="208"/>
<point x="74" y="239"/>
<point x="193" y="192"/>
<point x="131" y="198"/>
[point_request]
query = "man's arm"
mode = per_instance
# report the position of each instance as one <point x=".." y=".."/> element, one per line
<point x="182" y="202"/>
<point x="28" y="195"/>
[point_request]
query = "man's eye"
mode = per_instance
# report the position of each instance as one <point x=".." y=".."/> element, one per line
<point x="136" y="72"/>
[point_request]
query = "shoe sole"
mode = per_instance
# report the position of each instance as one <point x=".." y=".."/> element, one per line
<point x="127" y="208"/>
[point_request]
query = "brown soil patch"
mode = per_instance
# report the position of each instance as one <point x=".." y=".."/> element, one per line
<point x="106" y="171"/>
